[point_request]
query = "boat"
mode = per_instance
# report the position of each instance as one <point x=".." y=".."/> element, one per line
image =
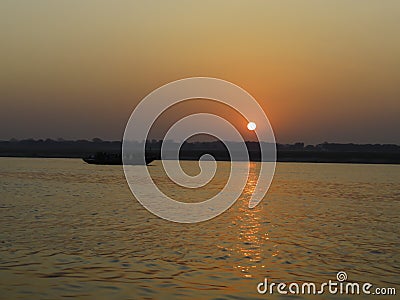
<point x="104" y="158"/>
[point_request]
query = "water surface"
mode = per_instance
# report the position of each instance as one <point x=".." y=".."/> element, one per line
<point x="69" y="229"/>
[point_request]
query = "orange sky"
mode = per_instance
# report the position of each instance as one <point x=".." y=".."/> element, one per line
<point x="322" y="70"/>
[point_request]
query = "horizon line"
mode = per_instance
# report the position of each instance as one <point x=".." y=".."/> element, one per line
<point x="99" y="140"/>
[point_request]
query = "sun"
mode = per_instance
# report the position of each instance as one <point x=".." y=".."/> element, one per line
<point x="251" y="126"/>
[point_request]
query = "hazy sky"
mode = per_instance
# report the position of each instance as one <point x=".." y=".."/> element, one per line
<point x="322" y="70"/>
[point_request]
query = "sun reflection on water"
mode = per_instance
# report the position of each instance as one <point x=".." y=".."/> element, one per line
<point x="251" y="235"/>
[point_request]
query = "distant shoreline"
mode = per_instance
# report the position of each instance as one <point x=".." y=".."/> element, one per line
<point x="294" y="160"/>
<point x="321" y="153"/>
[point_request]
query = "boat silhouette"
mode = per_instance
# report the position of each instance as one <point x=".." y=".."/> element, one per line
<point x="105" y="158"/>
